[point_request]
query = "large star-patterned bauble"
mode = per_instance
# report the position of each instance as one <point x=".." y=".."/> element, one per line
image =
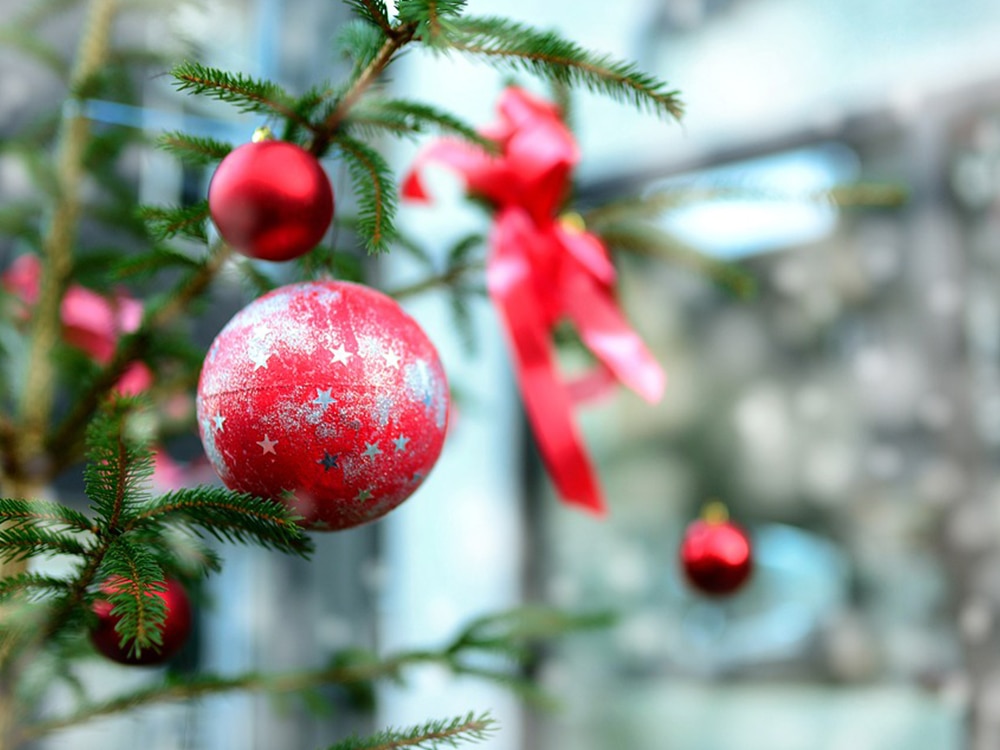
<point x="327" y="396"/>
<point x="175" y="632"/>
<point x="271" y="200"/>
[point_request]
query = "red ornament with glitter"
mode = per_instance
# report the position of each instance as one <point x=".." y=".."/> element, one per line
<point x="271" y="200"/>
<point x="176" y="626"/>
<point x="325" y="395"/>
<point x="716" y="554"/>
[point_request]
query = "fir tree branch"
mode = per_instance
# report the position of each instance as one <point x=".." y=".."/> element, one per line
<point x="247" y="94"/>
<point x="433" y="734"/>
<point x="42" y="512"/>
<point x="376" y="191"/>
<point x="20" y="543"/>
<point x="63" y="443"/>
<point x="373" y="11"/>
<point x="229" y="516"/>
<point x="36" y="400"/>
<point x="194" y="149"/>
<point x="165" y="222"/>
<point x="118" y="469"/>
<point x="404" y="117"/>
<point x="448" y="278"/>
<point x="133" y="576"/>
<point x="428" y="15"/>
<point x="514" y="45"/>
<point x="32" y="585"/>
<point x="399" y="38"/>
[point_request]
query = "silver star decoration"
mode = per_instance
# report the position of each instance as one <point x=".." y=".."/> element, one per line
<point x="267" y="445"/>
<point x="372" y="450"/>
<point x="341" y="355"/>
<point x="219" y="419"/>
<point x="323" y="399"/>
<point x="391" y="358"/>
<point x="259" y="358"/>
<point x="400" y="443"/>
<point x="363" y="495"/>
<point x="329" y="460"/>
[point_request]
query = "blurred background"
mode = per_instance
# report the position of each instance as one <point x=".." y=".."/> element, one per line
<point x="848" y="413"/>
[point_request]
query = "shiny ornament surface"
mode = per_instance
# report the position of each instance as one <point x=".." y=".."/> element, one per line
<point x="325" y="395"/>
<point x="716" y="556"/>
<point x="176" y="626"/>
<point x="271" y="200"/>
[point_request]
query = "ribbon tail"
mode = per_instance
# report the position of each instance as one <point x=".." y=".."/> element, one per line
<point x="547" y="402"/>
<point x="606" y="332"/>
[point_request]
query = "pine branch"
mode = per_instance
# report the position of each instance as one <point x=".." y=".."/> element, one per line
<point x="65" y="438"/>
<point x="404" y="117"/>
<point x="428" y="15"/>
<point x="373" y="11"/>
<point x="513" y="45"/>
<point x="246" y="93"/>
<point x="228" y="516"/>
<point x="375" y="189"/>
<point x="31" y="585"/>
<point x="119" y="466"/>
<point x="167" y="222"/>
<point x="41" y="513"/>
<point x="361" y="42"/>
<point x="194" y="149"/>
<point x="20" y="543"/>
<point x="132" y="577"/>
<point x="433" y="734"/>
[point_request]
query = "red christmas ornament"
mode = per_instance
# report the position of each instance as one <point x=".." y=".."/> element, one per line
<point x="271" y="200"/>
<point x="325" y="395"/>
<point x="716" y="555"/>
<point x="176" y="626"/>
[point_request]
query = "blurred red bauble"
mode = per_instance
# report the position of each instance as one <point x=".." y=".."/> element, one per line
<point x="716" y="556"/>
<point x="271" y="200"/>
<point x="327" y="396"/>
<point x="176" y="626"/>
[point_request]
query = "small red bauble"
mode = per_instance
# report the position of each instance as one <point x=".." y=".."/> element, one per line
<point x="271" y="200"/>
<point x="716" y="556"/>
<point x="325" y="395"/>
<point x="176" y="626"/>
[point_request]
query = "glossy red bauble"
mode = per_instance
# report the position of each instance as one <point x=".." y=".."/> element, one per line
<point x="716" y="556"/>
<point x="271" y="200"/>
<point x="176" y="626"/>
<point x="325" y="395"/>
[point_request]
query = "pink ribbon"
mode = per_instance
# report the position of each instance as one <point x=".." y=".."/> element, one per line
<point x="542" y="270"/>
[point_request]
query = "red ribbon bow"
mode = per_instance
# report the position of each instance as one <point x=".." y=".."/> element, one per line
<point x="542" y="269"/>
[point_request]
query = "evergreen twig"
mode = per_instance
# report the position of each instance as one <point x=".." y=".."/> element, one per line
<point x="427" y="736"/>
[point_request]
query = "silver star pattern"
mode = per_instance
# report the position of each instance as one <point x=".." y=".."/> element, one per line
<point x="267" y="445"/>
<point x="219" y="420"/>
<point x="341" y="355"/>
<point x="400" y="443"/>
<point x="259" y="358"/>
<point x="362" y="495"/>
<point x="323" y="399"/>
<point x="329" y="460"/>
<point x="372" y="450"/>
<point x="391" y="358"/>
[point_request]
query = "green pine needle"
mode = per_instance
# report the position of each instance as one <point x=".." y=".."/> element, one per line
<point x="22" y="542"/>
<point x="405" y="117"/>
<point x="372" y="11"/>
<point x="165" y="222"/>
<point x="228" y="516"/>
<point x="513" y="45"/>
<point x="41" y="513"/>
<point x="359" y="41"/>
<point x="134" y="576"/>
<point x="33" y="586"/>
<point x="119" y="464"/>
<point x="429" y="15"/>
<point x="245" y="93"/>
<point x="375" y="190"/>
<point x="433" y="734"/>
<point x="194" y="149"/>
